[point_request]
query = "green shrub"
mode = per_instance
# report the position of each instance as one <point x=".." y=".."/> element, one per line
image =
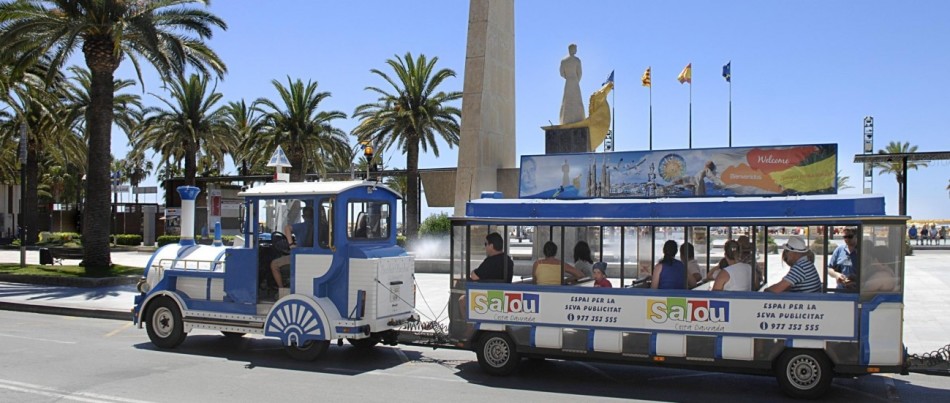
<point x="128" y="239"/>
<point x="167" y="239"/>
<point x="227" y="239"/>
<point x="401" y="240"/>
<point x="435" y="225"/>
<point x="771" y="246"/>
<point x="58" y="238"/>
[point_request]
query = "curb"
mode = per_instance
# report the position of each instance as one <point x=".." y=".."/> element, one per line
<point x="80" y="282"/>
<point x="63" y="311"/>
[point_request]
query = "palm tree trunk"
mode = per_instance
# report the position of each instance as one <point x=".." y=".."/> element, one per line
<point x="191" y="166"/>
<point x="30" y="198"/>
<point x="412" y="190"/>
<point x="296" y="169"/>
<point x="96" y="217"/>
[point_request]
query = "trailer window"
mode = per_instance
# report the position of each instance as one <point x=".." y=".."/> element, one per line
<point x="882" y="263"/>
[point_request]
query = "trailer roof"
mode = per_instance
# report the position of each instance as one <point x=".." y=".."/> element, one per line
<point x="795" y="207"/>
<point x="310" y="188"/>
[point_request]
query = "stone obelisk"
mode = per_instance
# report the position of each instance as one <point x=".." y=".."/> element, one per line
<point x="487" y="141"/>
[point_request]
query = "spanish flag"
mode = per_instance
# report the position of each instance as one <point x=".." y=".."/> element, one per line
<point x="646" y="78"/>
<point x="686" y="76"/>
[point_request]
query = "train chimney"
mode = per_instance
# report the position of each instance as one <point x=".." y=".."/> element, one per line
<point x="188" y="195"/>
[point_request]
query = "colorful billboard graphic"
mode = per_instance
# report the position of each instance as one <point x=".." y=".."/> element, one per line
<point x="745" y="171"/>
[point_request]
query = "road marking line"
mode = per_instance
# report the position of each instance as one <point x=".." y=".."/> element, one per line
<point x="870" y="396"/>
<point x="892" y="394"/>
<point x="429" y="378"/>
<point x="596" y="370"/>
<point x="402" y="355"/>
<point x="36" y="339"/>
<point x="53" y="392"/>
<point x="116" y="331"/>
<point x="666" y="378"/>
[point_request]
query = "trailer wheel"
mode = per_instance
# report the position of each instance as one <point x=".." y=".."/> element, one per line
<point x="368" y="342"/>
<point x="803" y="373"/>
<point x="164" y="324"/>
<point x="497" y="354"/>
<point x="309" y="351"/>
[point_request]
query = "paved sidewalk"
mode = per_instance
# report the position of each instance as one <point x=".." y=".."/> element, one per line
<point x="927" y="294"/>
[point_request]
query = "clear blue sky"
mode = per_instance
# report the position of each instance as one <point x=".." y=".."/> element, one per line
<point x="803" y="72"/>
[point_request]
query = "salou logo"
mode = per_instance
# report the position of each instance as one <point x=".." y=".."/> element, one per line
<point x="505" y="302"/>
<point x="687" y="310"/>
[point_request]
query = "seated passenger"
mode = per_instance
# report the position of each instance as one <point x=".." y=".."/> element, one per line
<point x="688" y="254"/>
<point x="301" y="232"/>
<point x="498" y="266"/>
<point x="547" y="271"/>
<point x="362" y="228"/>
<point x="600" y="277"/>
<point x="669" y="273"/>
<point x="879" y="276"/>
<point x="803" y="276"/>
<point x="737" y="276"/>
<point x="582" y="259"/>
<point x="844" y="262"/>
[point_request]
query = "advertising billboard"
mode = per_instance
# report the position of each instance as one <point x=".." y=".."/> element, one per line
<point x="737" y="171"/>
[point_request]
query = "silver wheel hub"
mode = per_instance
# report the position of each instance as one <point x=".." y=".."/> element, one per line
<point x="163" y="322"/>
<point x="497" y="352"/>
<point x="803" y="372"/>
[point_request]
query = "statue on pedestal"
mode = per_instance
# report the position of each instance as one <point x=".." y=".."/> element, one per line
<point x="572" y="107"/>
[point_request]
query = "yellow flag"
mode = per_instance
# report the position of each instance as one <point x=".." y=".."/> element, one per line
<point x="686" y="76"/>
<point x="646" y="77"/>
<point x="598" y="120"/>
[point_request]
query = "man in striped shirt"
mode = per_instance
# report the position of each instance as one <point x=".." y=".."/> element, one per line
<point x="803" y="276"/>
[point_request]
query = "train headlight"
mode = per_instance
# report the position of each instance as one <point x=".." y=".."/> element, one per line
<point x="143" y="286"/>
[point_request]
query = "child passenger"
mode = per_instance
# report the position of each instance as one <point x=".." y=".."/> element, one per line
<point x="600" y="278"/>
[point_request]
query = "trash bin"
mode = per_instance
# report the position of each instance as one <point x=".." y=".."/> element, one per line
<point x="45" y="256"/>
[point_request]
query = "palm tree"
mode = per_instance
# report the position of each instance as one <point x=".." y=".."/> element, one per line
<point x="244" y="125"/>
<point x="410" y="117"/>
<point x="136" y="168"/>
<point x="843" y="182"/>
<point x="126" y="107"/>
<point x="304" y="132"/>
<point x="896" y="167"/>
<point x="190" y="125"/>
<point x="165" y="33"/>
<point x="41" y="110"/>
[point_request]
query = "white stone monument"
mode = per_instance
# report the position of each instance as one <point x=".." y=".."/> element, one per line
<point x="572" y="107"/>
<point x="487" y="141"/>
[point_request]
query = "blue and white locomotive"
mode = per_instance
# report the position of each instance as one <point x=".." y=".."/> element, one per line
<point x="345" y="276"/>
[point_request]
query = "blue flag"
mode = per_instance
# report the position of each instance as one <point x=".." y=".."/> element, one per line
<point x="610" y="78"/>
<point x="727" y="71"/>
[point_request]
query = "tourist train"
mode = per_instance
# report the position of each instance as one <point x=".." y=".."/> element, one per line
<point x="347" y="278"/>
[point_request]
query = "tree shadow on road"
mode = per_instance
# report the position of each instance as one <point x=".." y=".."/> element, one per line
<point x="256" y="352"/>
<point x="33" y="292"/>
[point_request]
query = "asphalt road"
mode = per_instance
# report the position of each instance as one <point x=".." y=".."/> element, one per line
<point x="46" y="358"/>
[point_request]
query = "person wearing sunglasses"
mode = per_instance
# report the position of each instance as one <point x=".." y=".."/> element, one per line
<point x="844" y="262"/>
<point x="497" y="266"/>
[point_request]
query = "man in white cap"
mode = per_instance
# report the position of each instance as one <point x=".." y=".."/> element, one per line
<point x="803" y="276"/>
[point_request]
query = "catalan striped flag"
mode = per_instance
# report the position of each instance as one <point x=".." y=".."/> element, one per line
<point x="646" y="78"/>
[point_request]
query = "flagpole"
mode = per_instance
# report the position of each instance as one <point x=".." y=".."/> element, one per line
<point x="651" y="116"/>
<point x="730" y="109"/>
<point x="690" y="114"/>
<point x="613" y="119"/>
